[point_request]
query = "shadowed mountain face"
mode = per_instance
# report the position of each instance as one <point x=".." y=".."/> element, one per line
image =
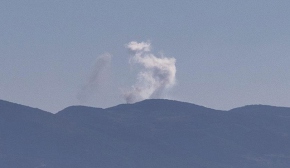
<point x="147" y="134"/>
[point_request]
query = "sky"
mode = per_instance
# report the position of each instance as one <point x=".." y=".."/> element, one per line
<point x="227" y="53"/>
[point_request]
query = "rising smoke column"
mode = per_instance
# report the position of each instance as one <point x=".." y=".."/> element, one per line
<point x="157" y="74"/>
<point x="96" y="78"/>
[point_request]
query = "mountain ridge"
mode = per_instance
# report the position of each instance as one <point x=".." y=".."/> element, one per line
<point x="147" y="134"/>
<point x="140" y="102"/>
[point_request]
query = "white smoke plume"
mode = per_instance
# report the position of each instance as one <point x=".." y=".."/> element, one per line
<point x="96" y="78"/>
<point x="157" y="74"/>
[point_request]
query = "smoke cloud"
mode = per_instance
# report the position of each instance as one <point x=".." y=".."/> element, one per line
<point x="157" y="73"/>
<point x="96" y="78"/>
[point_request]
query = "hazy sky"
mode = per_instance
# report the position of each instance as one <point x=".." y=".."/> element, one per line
<point x="228" y="53"/>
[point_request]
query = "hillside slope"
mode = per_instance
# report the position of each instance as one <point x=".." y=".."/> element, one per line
<point x="147" y="134"/>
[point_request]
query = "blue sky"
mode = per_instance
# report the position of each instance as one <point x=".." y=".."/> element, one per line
<point x="228" y="53"/>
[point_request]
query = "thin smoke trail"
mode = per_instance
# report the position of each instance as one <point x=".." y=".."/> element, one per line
<point x="95" y="79"/>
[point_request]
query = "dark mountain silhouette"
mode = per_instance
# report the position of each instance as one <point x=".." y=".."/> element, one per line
<point x="148" y="134"/>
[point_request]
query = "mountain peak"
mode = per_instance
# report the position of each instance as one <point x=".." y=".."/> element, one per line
<point x="159" y="104"/>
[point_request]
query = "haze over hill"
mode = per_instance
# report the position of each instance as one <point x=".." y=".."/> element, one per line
<point x="148" y="134"/>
